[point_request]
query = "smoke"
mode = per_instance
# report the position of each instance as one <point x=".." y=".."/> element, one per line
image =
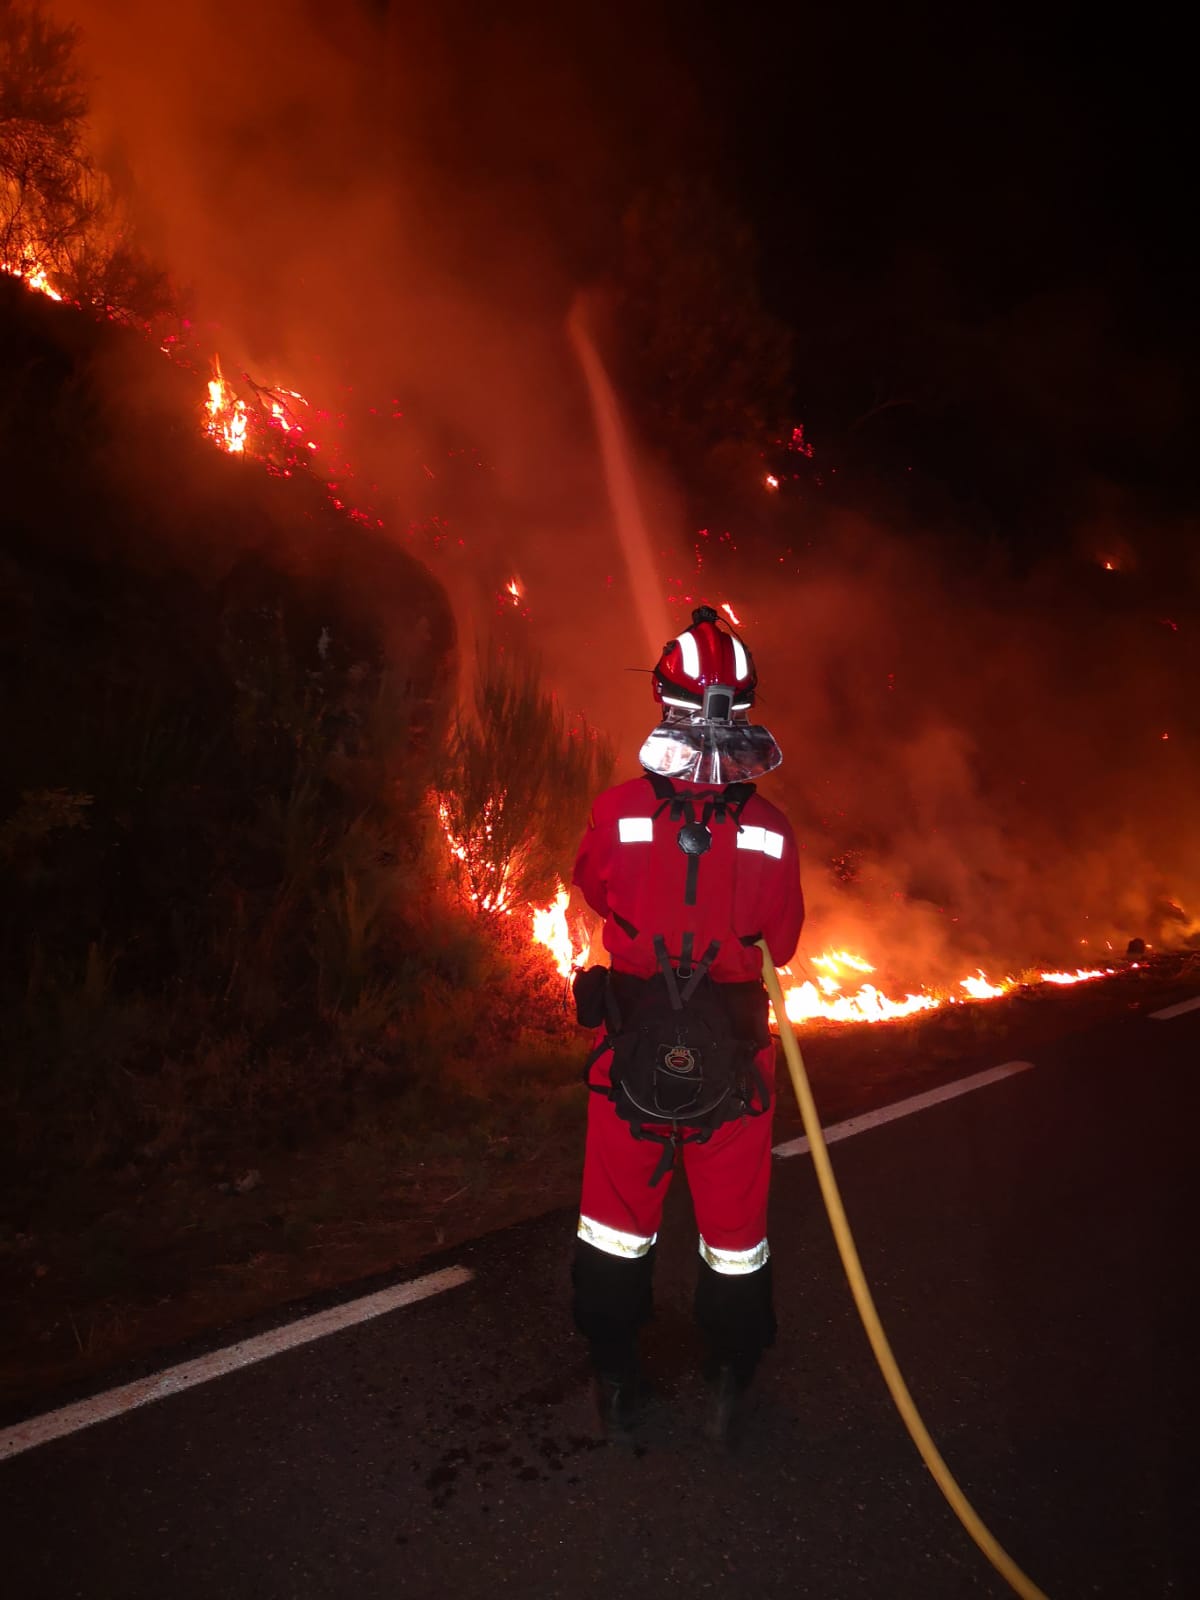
<point x="391" y="208"/>
<point x="975" y="761"/>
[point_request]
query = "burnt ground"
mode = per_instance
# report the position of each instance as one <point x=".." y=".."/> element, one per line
<point x="123" y="1269"/>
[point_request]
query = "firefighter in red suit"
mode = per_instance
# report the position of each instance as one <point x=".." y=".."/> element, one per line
<point x="688" y="866"/>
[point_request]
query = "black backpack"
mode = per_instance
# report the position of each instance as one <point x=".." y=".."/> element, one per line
<point x="683" y="1049"/>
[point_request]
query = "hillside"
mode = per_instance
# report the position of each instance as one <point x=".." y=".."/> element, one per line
<point x="223" y="915"/>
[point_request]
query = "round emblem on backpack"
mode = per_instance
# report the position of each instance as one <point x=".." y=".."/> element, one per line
<point x="679" y="1059"/>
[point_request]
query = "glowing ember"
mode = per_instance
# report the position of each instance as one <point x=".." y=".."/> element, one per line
<point x="513" y="587"/>
<point x="771" y="481"/>
<point x="731" y="613"/>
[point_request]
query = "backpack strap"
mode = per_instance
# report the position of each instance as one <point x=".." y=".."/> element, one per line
<point x="593" y="1056"/>
<point x="758" y="1086"/>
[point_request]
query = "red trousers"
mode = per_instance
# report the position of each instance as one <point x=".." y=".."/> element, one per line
<point x="729" y="1176"/>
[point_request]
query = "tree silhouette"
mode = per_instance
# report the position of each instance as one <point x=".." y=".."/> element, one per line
<point x="59" y="218"/>
<point x="43" y="167"/>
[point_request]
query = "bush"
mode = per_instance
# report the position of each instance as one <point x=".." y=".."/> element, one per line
<point x="60" y="219"/>
<point x="518" y="784"/>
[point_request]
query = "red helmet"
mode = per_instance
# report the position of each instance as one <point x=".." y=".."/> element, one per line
<point x="707" y="671"/>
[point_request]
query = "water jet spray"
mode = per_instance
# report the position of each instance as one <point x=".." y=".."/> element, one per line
<point x="622" y="489"/>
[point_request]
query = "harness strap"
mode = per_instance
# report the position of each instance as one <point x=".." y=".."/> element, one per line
<point x="735" y="797"/>
<point x="692" y="881"/>
<point x="731" y="799"/>
<point x="701" y="970"/>
<point x="727" y="804"/>
<point x="666" y="1161"/>
<point x="670" y="1143"/>
<point x="668" y="972"/>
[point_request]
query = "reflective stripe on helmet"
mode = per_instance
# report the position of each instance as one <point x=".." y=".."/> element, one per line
<point x="635" y="830"/>
<point x="734" y="1263"/>
<point x="615" y="1243"/>
<point x="691" y="655"/>
<point x="763" y="839"/>
<point x="739" y="658"/>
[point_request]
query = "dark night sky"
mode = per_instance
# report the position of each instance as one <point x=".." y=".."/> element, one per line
<point x="1024" y="156"/>
<point x="1007" y="194"/>
<point x="982" y="212"/>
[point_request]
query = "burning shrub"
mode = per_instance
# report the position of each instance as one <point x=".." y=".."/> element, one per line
<point x="42" y="159"/>
<point x="61" y="224"/>
<point x="517" y="788"/>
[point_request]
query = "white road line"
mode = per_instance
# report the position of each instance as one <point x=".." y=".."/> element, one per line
<point x="173" y="1380"/>
<point x="1175" y="1011"/>
<point x="905" y="1108"/>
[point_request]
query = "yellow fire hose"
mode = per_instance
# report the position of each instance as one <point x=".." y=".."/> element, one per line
<point x="930" y="1455"/>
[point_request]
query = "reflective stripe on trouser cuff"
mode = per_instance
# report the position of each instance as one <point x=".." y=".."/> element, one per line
<point x="613" y="1242"/>
<point x="735" y="1262"/>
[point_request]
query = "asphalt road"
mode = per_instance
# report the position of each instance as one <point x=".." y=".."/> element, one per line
<point x="1030" y="1247"/>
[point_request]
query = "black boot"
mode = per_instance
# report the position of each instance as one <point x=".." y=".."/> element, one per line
<point x="737" y="1318"/>
<point x="612" y="1302"/>
<point x="621" y="1401"/>
<point x="726" y="1406"/>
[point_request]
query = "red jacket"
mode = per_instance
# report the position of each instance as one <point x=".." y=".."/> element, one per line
<point x="746" y="885"/>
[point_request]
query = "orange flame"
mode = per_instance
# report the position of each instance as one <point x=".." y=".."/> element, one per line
<point x="227" y="419"/>
<point x="33" y="277"/>
<point x="978" y="987"/>
<point x="552" y="929"/>
<point x="1079" y="976"/>
<point x="498" y="898"/>
<point x="827" y="998"/>
<point x="804" y="1001"/>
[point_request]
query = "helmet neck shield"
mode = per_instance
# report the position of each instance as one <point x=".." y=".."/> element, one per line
<point x="697" y="750"/>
